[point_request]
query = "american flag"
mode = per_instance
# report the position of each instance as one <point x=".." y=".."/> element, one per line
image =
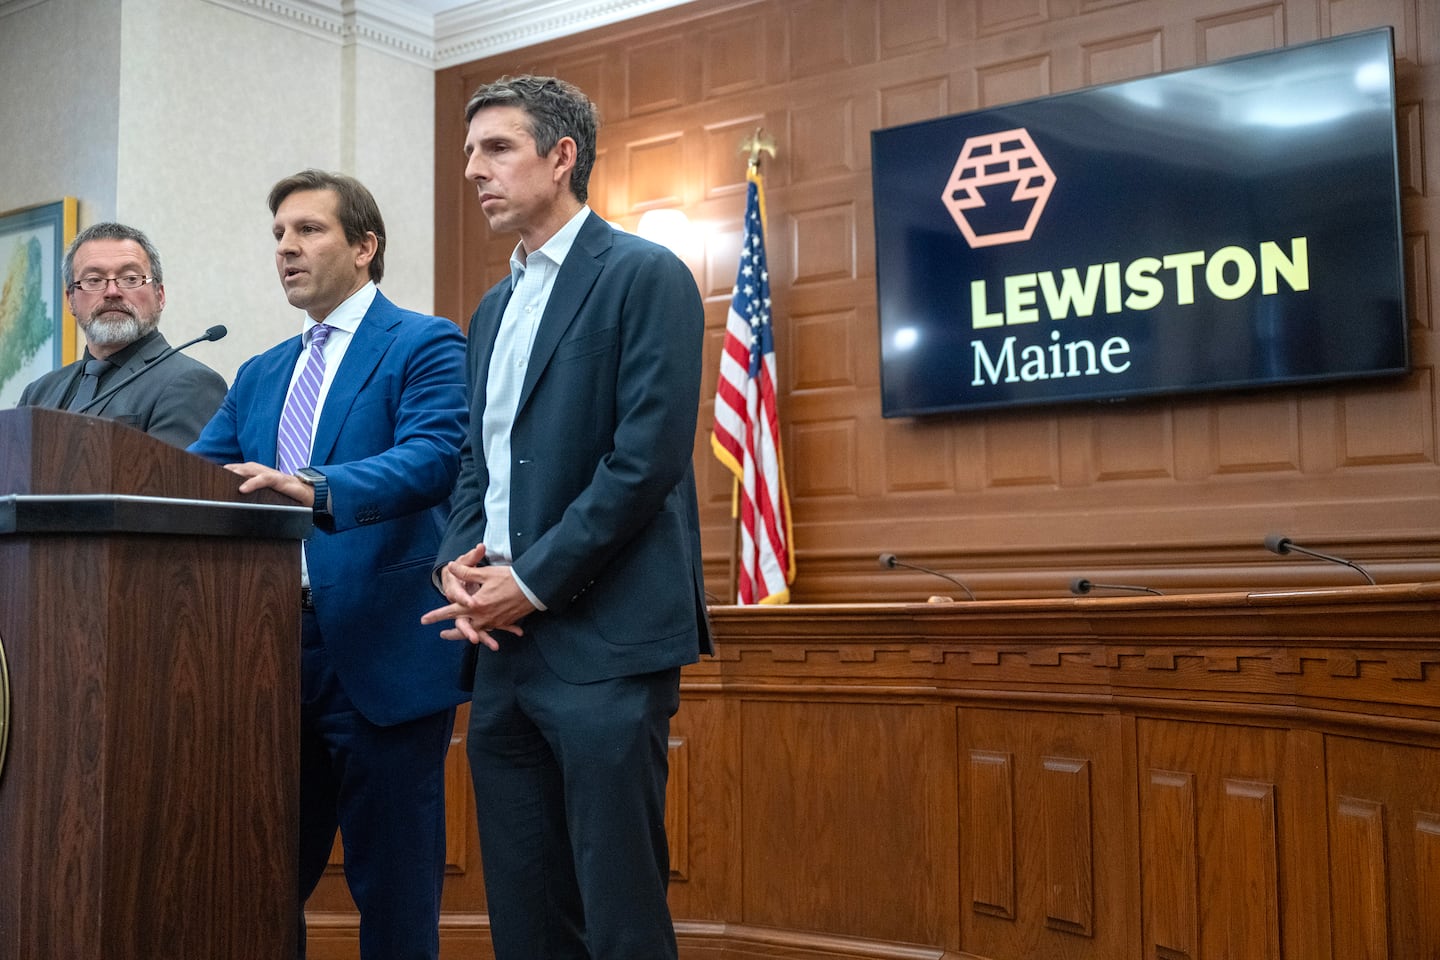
<point x="747" y="424"/>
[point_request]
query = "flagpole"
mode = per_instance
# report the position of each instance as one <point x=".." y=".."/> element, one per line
<point x="753" y="146"/>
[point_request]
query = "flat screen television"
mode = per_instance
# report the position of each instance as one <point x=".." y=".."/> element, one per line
<point x="1228" y="226"/>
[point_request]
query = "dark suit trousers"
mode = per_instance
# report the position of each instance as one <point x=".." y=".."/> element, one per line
<point x="570" y="797"/>
<point x="384" y="788"/>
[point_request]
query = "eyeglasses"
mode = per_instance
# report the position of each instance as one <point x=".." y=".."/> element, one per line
<point x="130" y="281"/>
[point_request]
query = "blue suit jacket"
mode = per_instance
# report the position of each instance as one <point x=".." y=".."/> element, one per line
<point x="604" y="526"/>
<point x="388" y="439"/>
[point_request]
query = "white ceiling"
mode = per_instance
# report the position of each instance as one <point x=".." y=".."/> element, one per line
<point x="436" y="33"/>
<point x="469" y="29"/>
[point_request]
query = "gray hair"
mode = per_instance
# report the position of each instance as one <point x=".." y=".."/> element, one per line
<point x="110" y="231"/>
<point x="556" y="109"/>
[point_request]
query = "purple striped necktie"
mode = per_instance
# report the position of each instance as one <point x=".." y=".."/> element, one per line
<point x="297" y="422"/>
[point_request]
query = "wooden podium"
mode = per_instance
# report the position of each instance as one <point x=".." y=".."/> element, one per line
<point x="149" y="621"/>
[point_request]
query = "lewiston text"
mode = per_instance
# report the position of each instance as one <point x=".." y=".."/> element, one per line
<point x="1143" y="284"/>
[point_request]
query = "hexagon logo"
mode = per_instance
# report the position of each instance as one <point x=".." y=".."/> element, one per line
<point x="992" y="160"/>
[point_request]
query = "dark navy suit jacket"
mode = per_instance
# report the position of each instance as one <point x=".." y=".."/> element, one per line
<point x="604" y="526"/>
<point x="388" y="439"/>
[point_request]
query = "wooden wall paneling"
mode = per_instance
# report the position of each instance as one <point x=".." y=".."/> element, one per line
<point x="1210" y="823"/>
<point x="1427" y="880"/>
<point x="1068" y="809"/>
<point x="1169" y="865"/>
<point x="991" y="834"/>
<point x="1250" y="846"/>
<point x="709" y="888"/>
<point x="1359" y="879"/>
<point x="1044" y="841"/>
<point x="1382" y="803"/>
<point x="1237" y="33"/>
<point x="1202" y="479"/>
<point x="825" y="857"/>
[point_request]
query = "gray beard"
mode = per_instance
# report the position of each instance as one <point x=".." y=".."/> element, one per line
<point x="111" y="332"/>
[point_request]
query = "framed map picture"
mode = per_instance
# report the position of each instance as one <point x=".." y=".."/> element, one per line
<point x="37" y="330"/>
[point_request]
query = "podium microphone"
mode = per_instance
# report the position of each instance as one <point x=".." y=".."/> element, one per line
<point x="1081" y="586"/>
<point x="889" y="561"/>
<point x="1282" y="545"/>
<point x="214" y="333"/>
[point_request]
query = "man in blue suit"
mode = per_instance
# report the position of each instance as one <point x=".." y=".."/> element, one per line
<point x="361" y="418"/>
<point x="573" y="549"/>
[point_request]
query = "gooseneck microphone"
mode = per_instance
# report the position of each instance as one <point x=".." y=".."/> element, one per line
<point x="1081" y="586"/>
<point x="214" y="333"/>
<point x="1282" y="545"/>
<point x="889" y="561"/>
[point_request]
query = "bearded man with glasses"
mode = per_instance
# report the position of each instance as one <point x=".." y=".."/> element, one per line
<point x="113" y="283"/>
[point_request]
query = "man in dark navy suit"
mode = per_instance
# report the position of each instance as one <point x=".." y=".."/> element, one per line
<point x="572" y="555"/>
<point x="360" y="417"/>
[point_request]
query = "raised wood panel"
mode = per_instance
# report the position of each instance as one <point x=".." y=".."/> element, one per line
<point x="1239" y="33"/>
<point x="1427" y="881"/>
<point x="1383" y="426"/>
<point x="459" y="805"/>
<point x="990" y="836"/>
<point x="821" y="349"/>
<point x="922" y="99"/>
<point x="1348" y="16"/>
<point x="1136" y="445"/>
<point x="906" y="26"/>
<point x="1123" y="58"/>
<point x="1045" y="814"/>
<point x="1015" y="80"/>
<point x="1383" y="799"/>
<point x="995" y="16"/>
<point x="677" y="809"/>
<point x="1358" y="877"/>
<point x="654" y="171"/>
<point x="1210" y="822"/>
<point x="822" y="140"/>
<point x="724" y="173"/>
<point x="823" y="245"/>
<point x="821" y="40"/>
<point x="722" y="254"/>
<point x="1066" y="805"/>
<point x="1251" y="845"/>
<point x="733" y="58"/>
<point x="1169" y="865"/>
<point x="917" y="458"/>
<point x="655" y="75"/>
<point x="1410" y="140"/>
<point x="1253" y="436"/>
<point x="1021" y="453"/>
<point x="707" y="726"/>
<point x="817" y="445"/>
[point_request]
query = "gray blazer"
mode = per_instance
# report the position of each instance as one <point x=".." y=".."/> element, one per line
<point x="173" y="402"/>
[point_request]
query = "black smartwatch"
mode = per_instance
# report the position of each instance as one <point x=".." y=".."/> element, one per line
<point x="321" y="484"/>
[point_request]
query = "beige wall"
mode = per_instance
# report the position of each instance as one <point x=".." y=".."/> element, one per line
<point x="177" y="115"/>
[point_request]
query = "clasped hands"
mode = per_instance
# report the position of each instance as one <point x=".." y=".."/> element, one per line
<point x="483" y="599"/>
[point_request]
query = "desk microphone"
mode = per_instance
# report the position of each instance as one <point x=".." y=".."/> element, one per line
<point x="1282" y="545"/>
<point x="214" y="333"/>
<point x="889" y="561"/>
<point x="1081" y="586"/>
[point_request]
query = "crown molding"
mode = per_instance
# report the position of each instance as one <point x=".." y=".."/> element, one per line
<point x="390" y="26"/>
<point x="488" y="27"/>
<point x="408" y="30"/>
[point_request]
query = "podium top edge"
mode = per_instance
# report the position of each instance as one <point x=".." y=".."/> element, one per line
<point x="127" y="513"/>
